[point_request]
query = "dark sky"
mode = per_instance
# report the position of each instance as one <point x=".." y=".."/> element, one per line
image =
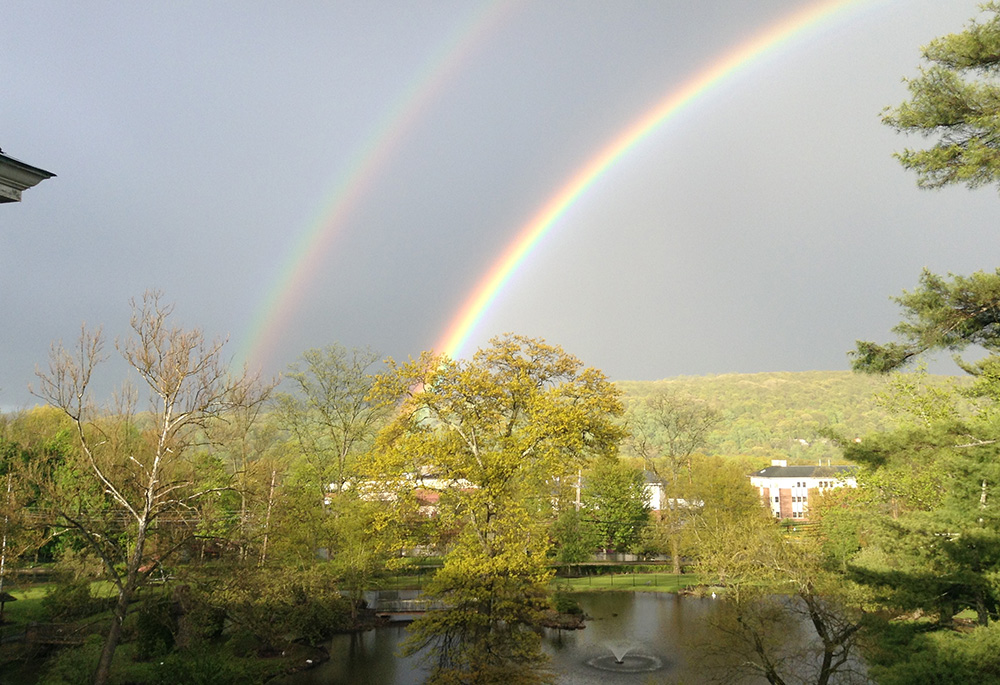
<point x="762" y="229"/>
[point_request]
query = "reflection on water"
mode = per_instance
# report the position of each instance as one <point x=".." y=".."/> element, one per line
<point x="369" y="658"/>
<point x="652" y="632"/>
<point x="655" y="633"/>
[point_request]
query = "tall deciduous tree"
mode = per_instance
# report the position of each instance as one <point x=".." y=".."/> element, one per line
<point x="333" y="419"/>
<point x="667" y="429"/>
<point x="772" y="585"/>
<point x="330" y="414"/>
<point x="499" y="429"/>
<point x="138" y="459"/>
<point x="32" y="445"/>
<point x="956" y="98"/>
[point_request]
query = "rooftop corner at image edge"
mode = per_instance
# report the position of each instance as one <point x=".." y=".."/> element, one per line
<point x="16" y="176"/>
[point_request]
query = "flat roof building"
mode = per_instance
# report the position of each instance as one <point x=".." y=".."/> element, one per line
<point x="786" y="490"/>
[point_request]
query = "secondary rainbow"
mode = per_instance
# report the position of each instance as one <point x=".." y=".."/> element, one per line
<point x="306" y="256"/>
<point x="794" y="26"/>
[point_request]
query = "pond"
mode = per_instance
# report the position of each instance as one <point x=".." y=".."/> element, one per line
<point x="657" y="636"/>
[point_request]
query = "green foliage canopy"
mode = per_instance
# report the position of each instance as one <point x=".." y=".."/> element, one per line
<point x="957" y="99"/>
<point x="950" y="313"/>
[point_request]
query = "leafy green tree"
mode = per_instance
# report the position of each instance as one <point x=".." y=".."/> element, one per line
<point x="933" y="539"/>
<point x="615" y="499"/>
<point x="720" y="491"/>
<point x="330" y="414"/>
<point x="951" y="314"/>
<point x="332" y="419"/>
<point x="932" y="480"/>
<point x="492" y="600"/>
<point x="495" y="433"/>
<point x="32" y="444"/>
<point x="248" y="450"/>
<point x="574" y="538"/>
<point x="956" y="98"/>
<point x="668" y="428"/>
<point x="936" y="476"/>
<point x="908" y="653"/>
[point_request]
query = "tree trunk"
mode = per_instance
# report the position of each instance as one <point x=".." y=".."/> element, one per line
<point x="982" y="611"/>
<point x="125" y="594"/>
<point x="675" y="554"/>
<point x="114" y="636"/>
<point x="267" y="519"/>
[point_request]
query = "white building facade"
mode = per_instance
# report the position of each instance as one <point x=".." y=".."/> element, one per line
<point x="786" y="490"/>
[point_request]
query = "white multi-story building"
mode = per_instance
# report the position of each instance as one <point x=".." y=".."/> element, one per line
<point x="787" y="489"/>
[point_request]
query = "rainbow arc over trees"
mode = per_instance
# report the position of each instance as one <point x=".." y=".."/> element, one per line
<point x="791" y="28"/>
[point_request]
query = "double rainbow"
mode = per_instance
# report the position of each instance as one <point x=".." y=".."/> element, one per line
<point x="305" y="257"/>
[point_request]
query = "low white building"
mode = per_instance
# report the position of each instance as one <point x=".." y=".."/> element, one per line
<point x="656" y="497"/>
<point x="786" y="490"/>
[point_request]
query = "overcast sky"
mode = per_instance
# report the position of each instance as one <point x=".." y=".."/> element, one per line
<point x="763" y="229"/>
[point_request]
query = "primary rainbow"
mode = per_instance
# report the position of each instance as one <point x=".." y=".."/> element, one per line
<point x="726" y="66"/>
<point x="311" y="245"/>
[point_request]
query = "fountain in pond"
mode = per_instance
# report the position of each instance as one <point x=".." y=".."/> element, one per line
<point x="620" y="649"/>
<point x="625" y="659"/>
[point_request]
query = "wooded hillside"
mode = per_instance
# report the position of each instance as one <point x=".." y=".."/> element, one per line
<point x="779" y="415"/>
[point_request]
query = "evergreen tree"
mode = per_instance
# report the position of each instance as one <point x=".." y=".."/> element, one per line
<point x="957" y="99"/>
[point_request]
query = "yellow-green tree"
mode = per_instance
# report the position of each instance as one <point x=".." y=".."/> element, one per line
<point x="498" y="433"/>
<point x="615" y="500"/>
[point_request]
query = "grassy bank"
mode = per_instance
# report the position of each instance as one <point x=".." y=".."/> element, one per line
<point x="646" y="582"/>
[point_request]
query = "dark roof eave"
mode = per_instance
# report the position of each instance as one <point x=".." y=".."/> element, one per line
<point x="805" y="471"/>
<point x="17" y="176"/>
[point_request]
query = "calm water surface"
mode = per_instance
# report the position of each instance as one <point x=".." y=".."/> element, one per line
<point x="657" y="631"/>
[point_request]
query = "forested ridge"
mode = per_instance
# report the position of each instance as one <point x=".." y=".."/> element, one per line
<point x="782" y="414"/>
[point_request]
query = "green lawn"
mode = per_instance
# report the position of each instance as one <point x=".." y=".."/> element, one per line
<point x="652" y="582"/>
<point x="28" y="606"/>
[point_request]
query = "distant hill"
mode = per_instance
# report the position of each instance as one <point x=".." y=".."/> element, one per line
<point x="779" y="415"/>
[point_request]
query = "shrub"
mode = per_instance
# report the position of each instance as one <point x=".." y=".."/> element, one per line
<point x="204" y="665"/>
<point x="154" y="628"/>
<point x="74" y="666"/>
<point x="274" y="605"/>
<point x="565" y="604"/>
<point x="71" y="600"/>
